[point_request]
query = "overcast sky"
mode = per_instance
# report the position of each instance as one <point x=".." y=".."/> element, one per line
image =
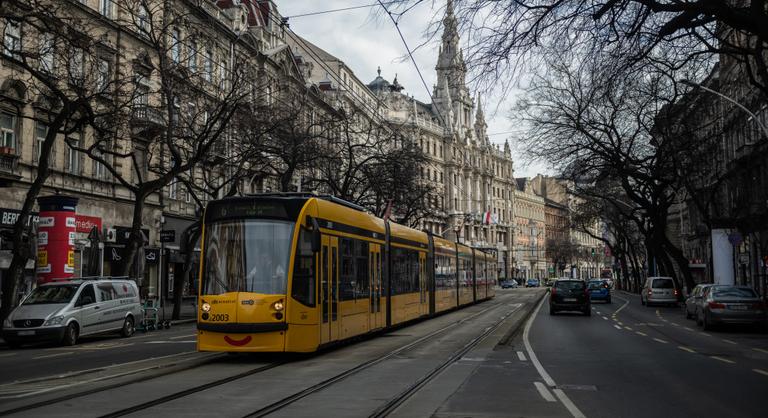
<point x="365" y="42"/>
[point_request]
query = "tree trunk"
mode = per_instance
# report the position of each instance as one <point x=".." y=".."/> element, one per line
<point x="21" y="250"/>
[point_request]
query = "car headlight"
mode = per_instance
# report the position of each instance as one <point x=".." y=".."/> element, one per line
<point x="56" y="320"/>
<point x="7" y="323"/>
<point x="206" y="307"/>
<point x="278" y="306"/>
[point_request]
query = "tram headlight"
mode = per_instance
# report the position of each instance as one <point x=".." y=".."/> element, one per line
<point x="278" y="306"/>
<point x="206" y="307"/>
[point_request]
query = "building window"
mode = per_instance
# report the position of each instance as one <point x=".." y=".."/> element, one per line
<point x="173" y="189"/>
<point x="73" y="156"/>
<point x="46" y="52"/>
<point x="176" y="46"/>
<point x="8" y="130"/>
<point x="99" y="171"/>
<point x="188" y="195"/>
<point x="77" y="65"/>
<point x="41" y="131"/>
<point x="12" y="39"/>
<point x="105" y="8"/>
<point x="142" y="19"/>
<point x="103" y="74"/>
<point x="269" y="95"/>
<point x="192" y="56"/>
<point x="208" y="65"/>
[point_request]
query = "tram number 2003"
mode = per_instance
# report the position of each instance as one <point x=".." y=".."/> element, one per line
<point x="219" y="317"/>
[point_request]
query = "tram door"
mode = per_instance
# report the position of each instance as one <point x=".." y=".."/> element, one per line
<point x="377" y="313"/>
<point x="423" y="291"/>
<point x="329" y="285"/>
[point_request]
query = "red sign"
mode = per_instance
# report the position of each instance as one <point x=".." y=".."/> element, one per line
<point x="85" y="223"/>
<point x="56" y="245"/>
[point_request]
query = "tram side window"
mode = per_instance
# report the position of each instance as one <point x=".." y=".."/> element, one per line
<point x="361" y="269"/>
<point x="347" y="273"/>
<point x="303" y="287"/>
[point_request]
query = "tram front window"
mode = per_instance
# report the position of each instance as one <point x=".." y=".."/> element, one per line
<point x="249" y="255"/>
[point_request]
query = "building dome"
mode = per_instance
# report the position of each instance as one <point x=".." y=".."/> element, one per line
<point x="379" y="84"/>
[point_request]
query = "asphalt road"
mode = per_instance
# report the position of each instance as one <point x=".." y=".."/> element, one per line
<point x="628" y="360"/>
<point x="33" y="362"/>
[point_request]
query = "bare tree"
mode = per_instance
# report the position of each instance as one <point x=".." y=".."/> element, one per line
<point x="56" y="65"/>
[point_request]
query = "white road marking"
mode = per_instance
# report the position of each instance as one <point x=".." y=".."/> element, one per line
<point x="705" y="334"/>
<point x="641" y="333"/>
<point x="543" y="373"/>
<point x="626" y="302"/>
<point x="688" y="329"/>
<point x="690" y="350"/>
<point x="675" y="324"/>
<point x="730" y="342"/>
<point x="724" y="360"/>
<point x="7" y="354"/>
<point x="628" y="329"/>
<point x="659" y="340"/>
<point x="761" y="350"/>
<point x="568" y="404"/>
<point x="54" y="355"/>
<point x="604" y="318"/>
<point x="544" y="392"/>
<point x="178" y="337"/>
<point x="617" y="327"/>
<point x="620" y="323"/>
<point x="521" y="356"/>
<point x="762" y="372"/>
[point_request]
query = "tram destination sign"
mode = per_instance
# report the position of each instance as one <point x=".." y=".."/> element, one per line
<point x="246" y="209"/>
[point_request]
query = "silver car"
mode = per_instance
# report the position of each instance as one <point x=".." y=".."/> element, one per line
<point x="659" y="290"/>
<point x="64" y="311"/>
<point x="724" y="304"/>
<point x="693" y="302"/>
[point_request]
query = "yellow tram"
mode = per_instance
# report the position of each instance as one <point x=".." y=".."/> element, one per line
<point x="293" y="272"/>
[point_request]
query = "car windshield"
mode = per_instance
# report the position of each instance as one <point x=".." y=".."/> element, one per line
<point x="595" y="285"/>
<point x="51" y="294"/>
<point x="733" y="292"/>
<point x="569" y="285"/>
<point x="248" y="255"/>
<point x="663" y="284"/>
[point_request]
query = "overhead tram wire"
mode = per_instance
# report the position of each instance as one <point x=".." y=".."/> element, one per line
<point x="343" y="9"/>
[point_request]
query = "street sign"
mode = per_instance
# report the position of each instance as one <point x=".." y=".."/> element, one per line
<point x="168" y="235"/>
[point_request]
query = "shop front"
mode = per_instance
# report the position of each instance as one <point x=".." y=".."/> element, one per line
<point x="174" y="263"/>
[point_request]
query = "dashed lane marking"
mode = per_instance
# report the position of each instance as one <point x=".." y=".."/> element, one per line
<point x="521" y="356"/>
<point x="628" y="329"/>
<point x="617" y="327"/>
<point x="604" y="318"/>
<point x="544" y="392"/>
<point x="688" y="329"/>
<point x="761" y="350"/>
<point x="659" y="340"/>
<point x="730" y="342"/>
<point x="7" y="354"/>
<point x="690" y="350"/>
<point x="53" y="355"/>
<point x="762" y="372"/>
<point x="641" y="333"/>
<point x="182" y="336"/>
<point x="705" y="334"/>
<point x="724" y="360"/>
<point x="675" y="324"/>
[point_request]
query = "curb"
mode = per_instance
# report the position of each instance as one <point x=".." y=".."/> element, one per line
<point x="183" y="321"/>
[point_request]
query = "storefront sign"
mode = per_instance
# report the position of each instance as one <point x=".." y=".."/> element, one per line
<point x="123" y="234"/>
<point x="85" y="223"/>
<point x="152" y="255"/>
<point x="8" y="217"/>
<point x="167" y="235"/>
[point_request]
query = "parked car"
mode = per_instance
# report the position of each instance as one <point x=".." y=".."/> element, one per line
<point x="532" y="283"/>
<point x="724" y="304"/>
<point x="693" y="301"/>
<point x="569" y="295"/>
<point x="65" y="311"/>
<point x="659" y="290"/>
<point x="509" y="284"/>
<point x="599" y="290"/>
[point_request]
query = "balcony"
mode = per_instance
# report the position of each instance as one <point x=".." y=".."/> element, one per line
<point x="147" y="121"/>
<point x="9" y="166"/>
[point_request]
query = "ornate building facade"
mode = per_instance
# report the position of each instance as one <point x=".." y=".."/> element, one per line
<point x="473" y="179"/>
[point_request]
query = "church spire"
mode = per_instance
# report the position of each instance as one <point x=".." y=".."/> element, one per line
<point x="480" y="125"/>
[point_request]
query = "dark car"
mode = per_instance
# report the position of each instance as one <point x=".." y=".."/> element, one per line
<point x="569" y="295"/>
<point x="532" y="283"/>
<point x="723" y="304"/>
<point x="508" y="284"/>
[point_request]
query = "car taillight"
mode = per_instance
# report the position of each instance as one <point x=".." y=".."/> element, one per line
<point x="716" y="305"/>
<point x="676" y="292"/>
<point x="553" y="291"/>
<point x="650" y="292"/>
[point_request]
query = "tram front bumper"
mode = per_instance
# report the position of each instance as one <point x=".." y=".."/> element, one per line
<point x="258" y="337"/>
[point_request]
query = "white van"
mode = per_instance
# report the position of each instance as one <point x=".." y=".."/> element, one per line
<point x="659" y="290"/>
<point x="64" y="311"/>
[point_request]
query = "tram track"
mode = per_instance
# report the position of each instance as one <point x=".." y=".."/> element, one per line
<point x="392" y="403"/>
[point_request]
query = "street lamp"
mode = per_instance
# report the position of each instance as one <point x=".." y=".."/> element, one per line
<point x="741" y="106"/>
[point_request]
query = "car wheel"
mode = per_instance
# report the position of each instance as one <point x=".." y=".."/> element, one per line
<point x="642" y="301"/>
<point x="707" y="325"/>
<point x="70" y="334"/>
<point x="13" y="344"/>
<point x="552" y="311"/>
<point x="608" y="301"/>
<point x="588" y="311"/>
<point x="698" y="319"/>
<point x="687" y="314"/>
<point x="128" y="328"/>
